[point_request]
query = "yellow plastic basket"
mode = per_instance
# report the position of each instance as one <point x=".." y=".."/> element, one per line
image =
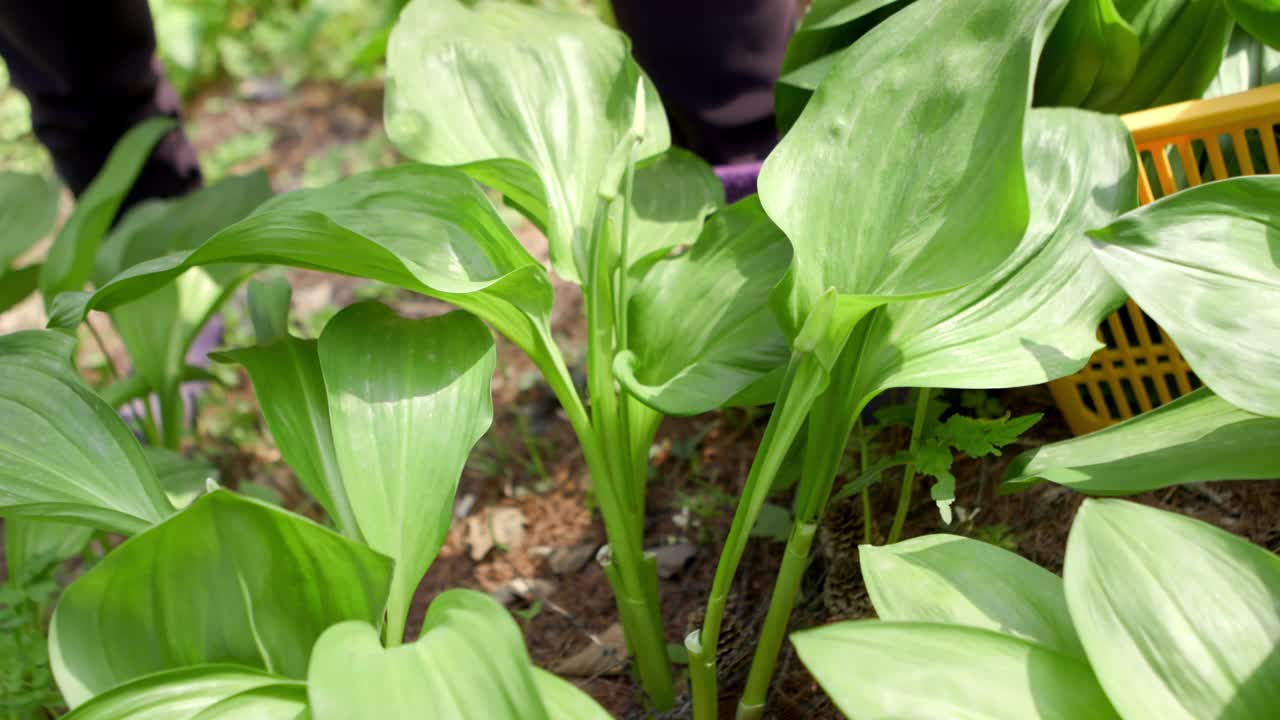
<point x="1178" y="146"/>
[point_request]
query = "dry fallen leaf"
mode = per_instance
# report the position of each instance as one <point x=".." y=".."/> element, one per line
<point x="502" y="527"/>
<point x="605" y="655"/>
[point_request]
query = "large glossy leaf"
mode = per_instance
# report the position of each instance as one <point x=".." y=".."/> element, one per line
<point x="553" y="91"/>
<point x="827" y="28"/>
<point x="958" y="581"/>
<point x="563" y="700"/>
<point x="1205" y="264"/>
<point x="1248" y="64"/>
<point x="16" y="285"/>
<point x="64" y="453"/>
<point x="32" y="546"/>
<point x="268" y="300"/>
<point x="183" y="479"/>
<point x="1182" y="43"/>
<point x="921" y="671"/>
<point x="1181" y="620"/>
<point x="159" y="329"/>
<point x="1034" y="318"/>
<point x="160" y="227"/>
<point x="673" y="196"/>
<point x="271" y="702"/>
<point x="1260" y="17"/>
<point x="52" y="352"/>
<point x="229" y="579"/>
<point x="940" y="196"/>
<point x="700" y="325"/>
<point x="71" y="258"/>
<point x="290" y="388"/>
<point x="426" y="229"/>
<point x="28" y="210"/>
<point x="193" y="693"/>
<point x="1196" y="438"/>
<point x="1090" y="57"/>
<point x="470" y="662"/>
<point x="408" y="399"/>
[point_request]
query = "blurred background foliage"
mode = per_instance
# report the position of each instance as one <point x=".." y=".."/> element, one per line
<point x="276" y="41"/>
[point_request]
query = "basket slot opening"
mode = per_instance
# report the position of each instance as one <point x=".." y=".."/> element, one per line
<point x="1109" y="399"/>
<point x="1267" y="136"/>
<point x="1154" y="334"/>
<point x="1207" y="166"/>
<point x="1108" y="338"/>
<point x="1082" y="391"/>
<point x="1129" y="326"/>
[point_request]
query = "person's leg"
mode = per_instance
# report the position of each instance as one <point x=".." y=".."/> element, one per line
<point x="714" y="63"/>
<point x="90" y="72"/>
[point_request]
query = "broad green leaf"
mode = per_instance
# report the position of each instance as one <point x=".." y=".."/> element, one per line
<point x="1196" y="438"/>
<point x="554" y="92"/>
<point x="700" y="328"/>
<point x="28" y="210"/>
<point x="1090" y="57"/>
<point x="1181" y="45"/>
<point x="270" y="702"/>
<point x="1180" y="620"/>
<point x="64" y="453"/>
<point x="1260" y="17"/>
<point x="1034" y="318"/>
<point x="564" y="700"/>
<point x="53" y="352"/>
<point x="291" y="392"/>
<point x="160" y="227"/>
<point x="1205" y="264"/>
<point x="228" y="580"/>
<point x="185" y="694"/>
<point x="183" y="479"/>
<point x="1248" y="64"/>
<point x="470" y="662"/>
<point x="133" y="387"/>
<point x="17" y="285"/>
<point x="922" y="671"/>
<point x="71" y="258"/>
<point x="826" y="14"/>
<point x="408" y="399"/>
<point x="269" y="308"/>
<point x="426" y="229"/>
<point x="32" y="546"/>
<point x="958" y="581"/>
<point x="941" y="199"/>
<point x="828" y="27"/>
<point x="158" y="329"/>
<point x="674" y="194"/>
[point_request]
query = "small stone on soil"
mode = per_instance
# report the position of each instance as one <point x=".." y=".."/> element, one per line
<point x="569" y="560"/>
<point x="673" y="558"/>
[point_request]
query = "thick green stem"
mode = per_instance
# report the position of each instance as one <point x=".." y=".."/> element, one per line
<point x="831" y="420"/>
<point x="148" y="421"/>
<point x="171" y="415"/>
<point x="787" y="585"/>
<point x="804" y="381"/>
<point x="397" y="618"/>
<point x="909" y="472"/>
<point x="610" y="461"/>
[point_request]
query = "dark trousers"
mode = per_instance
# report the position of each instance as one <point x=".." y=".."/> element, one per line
<point x="90" y="72"/>
<point x="714" y="63"/>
